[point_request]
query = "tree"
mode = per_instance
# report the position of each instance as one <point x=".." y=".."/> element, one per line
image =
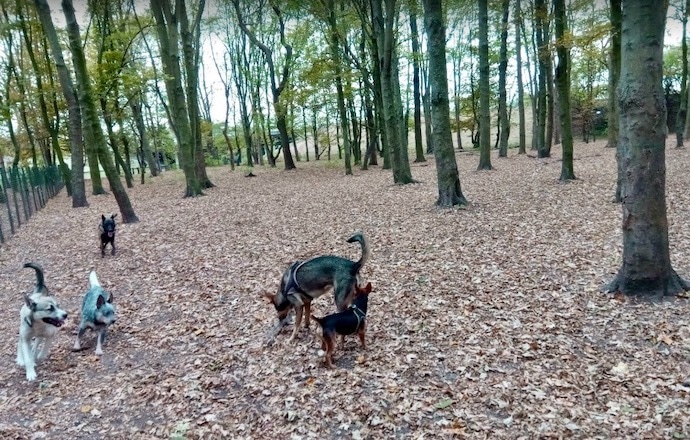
<point x="484" y="88"/>
<point x="614" y="76"/>
<point x="540" y="18"/>
<point x="449" y="190"/>
<point x="167" y="26"/>
<point x="502" y="68"/>
<point x="563" y="86"/>
<point x="646" y="268"/>
<point x="392" y="112"/>
<point x="416" y="92"/>
<point x="520" y="86"/>
<point x="93" y="134"/>
<point x="683" y="107"/>
<point x="277" y="88"/>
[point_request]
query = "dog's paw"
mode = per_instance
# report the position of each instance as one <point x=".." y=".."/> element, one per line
<point x="30" y="375"/>
<point x="99" y="352"/>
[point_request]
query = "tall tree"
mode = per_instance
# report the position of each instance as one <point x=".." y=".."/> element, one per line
<point x="646" y="269"/>
<point x="614" y="76"/>
<point x="502" y="95"/>
<point x="277" y="87"/>
<point x="484" y="88"/>
<point x="93" y="133"/>
<point x="683" y="107"/>
<point x="416" y="92"/>
<point x="395" y="129"/>
<point x="167" y="26"/>
<point x="540" y="20"/>
<point x="520" y="86"/>
<point x="73" y="110"/>
<point x="563" y="39"/>
<point x="449" y="190"/>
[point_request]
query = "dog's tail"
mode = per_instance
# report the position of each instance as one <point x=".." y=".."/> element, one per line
<point x="93" y="279"/>
<point x="365" y="250"/>
<point x="40" y="281"/>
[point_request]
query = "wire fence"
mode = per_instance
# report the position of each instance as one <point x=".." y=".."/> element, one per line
<point x="24" y="192"/>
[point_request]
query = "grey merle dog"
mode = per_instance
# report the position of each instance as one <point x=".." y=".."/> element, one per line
<point x="40" y="316"/>
<point x="305" y="281"/>
<point x="106" y="230"/>
<point x="97" y="313"/>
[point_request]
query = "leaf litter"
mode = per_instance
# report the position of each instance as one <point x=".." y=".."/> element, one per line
<point x="484" y="322"/>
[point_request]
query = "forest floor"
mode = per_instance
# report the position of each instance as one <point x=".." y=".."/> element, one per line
<point x="485" y="322"/>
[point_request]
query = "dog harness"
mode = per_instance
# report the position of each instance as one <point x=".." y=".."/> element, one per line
<point x="359" y="314"/>
<point x="292" y="284"/>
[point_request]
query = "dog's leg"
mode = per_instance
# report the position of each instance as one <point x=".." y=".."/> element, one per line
<point x="45" y="349"/>
<point x="307" y="311"/>
<point x="29" y="362"/>
<point x="298" y="322"/>
<point x="77" y="343"/>
<point x="20" y="352"/>
<point x="360" y="333"/>
<point x="112" y="245"/>
<point x="99" y="344"/>
<point x="330" y="348"/>
<point x="103" y="244"/>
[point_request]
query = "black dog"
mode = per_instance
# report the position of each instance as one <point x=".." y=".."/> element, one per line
<point x="107" y="231"/>
<point x="344" y="323"/>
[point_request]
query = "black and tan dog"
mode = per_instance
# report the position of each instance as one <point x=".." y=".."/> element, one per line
<point x="305" y="281"/>
<point x="352" y="320"/>
<point x="106" y="230"/>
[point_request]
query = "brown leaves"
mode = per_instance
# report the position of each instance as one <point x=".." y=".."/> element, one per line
<point x="486" y="321"/>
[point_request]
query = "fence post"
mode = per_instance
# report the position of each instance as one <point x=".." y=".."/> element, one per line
<point x="5" y="184"/>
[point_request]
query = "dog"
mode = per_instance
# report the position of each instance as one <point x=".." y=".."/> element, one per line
<point x="305" y="281"/>
<point x="106" y="229"/>
<point x="40" y="318"/>
<point x="97" y="313"/>
<point x="352" y="320"/>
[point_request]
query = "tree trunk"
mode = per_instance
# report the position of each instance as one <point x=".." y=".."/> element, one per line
<point x="484" y="88"/>
<point x="614" y="76"/>
<point x="390" y="92"/>
<point x="502" y="98"/>
<point x="563" y="86"/>
<point x="646" y="268"/>
<point x="334" y="43"/>
<point x="93" y="133"/>
<point x="683" y="107"/>
<point x="414" y="35"/>
<point x="522" y="142"/>
<point x="540" y="12"/>
<point x="449" y="190"/>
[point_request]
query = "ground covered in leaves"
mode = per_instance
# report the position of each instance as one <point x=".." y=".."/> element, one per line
<point x="485" y="322"/>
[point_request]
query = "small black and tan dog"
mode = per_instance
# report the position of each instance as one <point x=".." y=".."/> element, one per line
<point x="305" y="281"/>
<point x="344" y="323"/>
<point x="106" y="229"/>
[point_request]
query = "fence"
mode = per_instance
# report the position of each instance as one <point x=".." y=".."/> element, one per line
<point x="25" y="191"/>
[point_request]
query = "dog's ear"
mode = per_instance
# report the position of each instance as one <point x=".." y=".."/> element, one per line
<point x="100" y="301"/>
<point x="113" y="216"/>
<point x="110" y="298"/>
<point x="30" y="303"/>
<point x="102" y="218"/>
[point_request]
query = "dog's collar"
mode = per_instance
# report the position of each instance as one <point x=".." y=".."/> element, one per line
<point x="359" y="314"/>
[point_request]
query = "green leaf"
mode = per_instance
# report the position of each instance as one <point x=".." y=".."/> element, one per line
<point x="445" y="403"/>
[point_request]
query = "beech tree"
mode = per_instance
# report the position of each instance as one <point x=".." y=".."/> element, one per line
<point x="449" y="190"/>
<point x="646" y="268"/>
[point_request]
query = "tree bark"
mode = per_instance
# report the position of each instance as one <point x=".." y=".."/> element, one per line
<point x="646" y="270"/>
<point x="449" y="190"/>
<point x="540" y="17"/>
<point x="484" y="88"/>
<point x="563" y="87"/>
<point x="681" y="116"/>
